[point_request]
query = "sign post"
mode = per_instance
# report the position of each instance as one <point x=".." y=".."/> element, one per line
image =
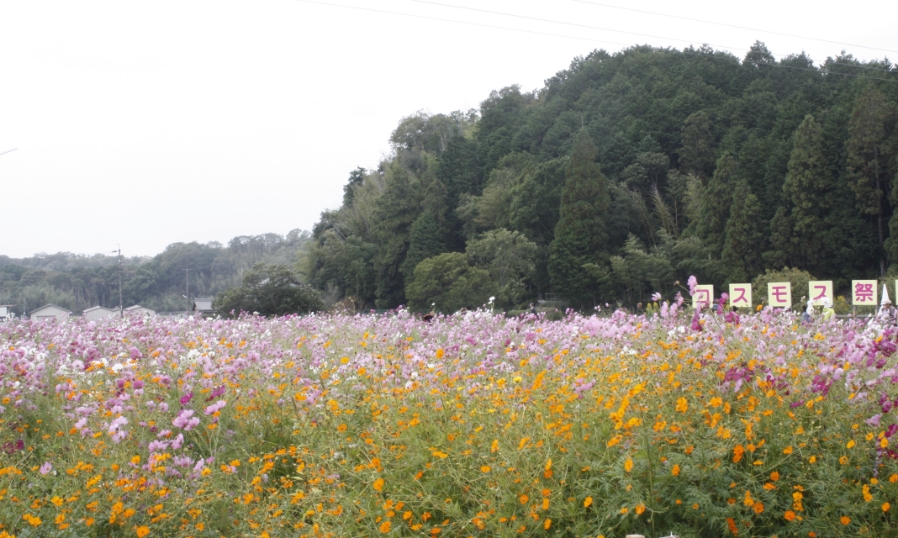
<point x="740" y="295"/>
<point x="779" y="294"/>
<point x="819" y="291"/>
<point x="703" y="296"/>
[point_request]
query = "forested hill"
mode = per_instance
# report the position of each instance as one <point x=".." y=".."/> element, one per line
<point x="623" y="174"/>
<point x="77" y="282"/>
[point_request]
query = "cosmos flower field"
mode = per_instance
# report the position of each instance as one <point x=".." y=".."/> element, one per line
<point x="469" y="425"/>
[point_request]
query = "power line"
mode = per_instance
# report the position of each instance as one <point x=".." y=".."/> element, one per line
<point x="427" y="17"/>
<point x="525" y="17"/>
<point x="729" y="25"/>
<point x="577" y="25"/>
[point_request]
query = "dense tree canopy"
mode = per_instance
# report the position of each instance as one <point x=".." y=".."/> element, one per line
<point x="269" y="290"/>
<point x="630" y="171"/>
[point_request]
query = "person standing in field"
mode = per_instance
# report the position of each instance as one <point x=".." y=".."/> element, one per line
<point x="808" y="313"/>
<point x="828" y="311"/>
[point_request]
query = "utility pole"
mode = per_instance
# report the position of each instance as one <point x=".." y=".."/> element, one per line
<point x="121" y="267"/>
<point x="187" y="278"/>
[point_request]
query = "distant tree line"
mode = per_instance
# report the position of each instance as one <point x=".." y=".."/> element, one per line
<point x="77" y="282"/>
<point x="624" y="174"/>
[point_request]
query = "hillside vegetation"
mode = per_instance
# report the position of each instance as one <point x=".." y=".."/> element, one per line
<point x="622" y="175"/>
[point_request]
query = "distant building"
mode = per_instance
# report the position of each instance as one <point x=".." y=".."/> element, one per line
<point x="6" y="312"/>
<point x="48" y="312"/>
<point x="97" y="313"/>
<point x="203" y="306"/>
<point x="139" y="310"/>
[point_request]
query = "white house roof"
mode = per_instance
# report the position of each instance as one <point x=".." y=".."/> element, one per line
<point x="49" y="306"/>
<point x="139" y="310"/>
<point x="203" y="303"/>
<point x="91" y="309"/>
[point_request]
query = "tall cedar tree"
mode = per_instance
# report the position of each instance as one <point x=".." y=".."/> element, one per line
<point x="394" y="214"/>
<point x="427" y="236"/>
<point x="869" y="153"/>
<point x="581" y="235"/>
<point x="697" y="154"/>
<point x="809" y="196"/>
<point x="782" y="240"/>
<point x="744" y="235"/>
<point x="717" y="198"/>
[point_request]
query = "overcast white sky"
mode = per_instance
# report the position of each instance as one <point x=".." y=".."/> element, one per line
<point x="147" y="123"/>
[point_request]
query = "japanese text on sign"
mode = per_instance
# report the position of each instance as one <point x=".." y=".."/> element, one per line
<point x="863" y="292"/>
<point x="819" y="291"/>
<point x="740" y="295"/>
<point x="779" y="294"/>
<point x="703" y="296"/>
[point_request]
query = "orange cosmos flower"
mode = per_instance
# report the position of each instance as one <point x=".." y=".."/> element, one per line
<point x="378" y="485"/>
<point x="587" y="502"/>
<point x="845" y="520"/>
<point x="675" y="470"/>
<point x="385" y="527"/>
<point x="738" y="451"/>
<point x="682" y="405"/>
<point x="732" y="525"/>
<point x="789" y="515"/>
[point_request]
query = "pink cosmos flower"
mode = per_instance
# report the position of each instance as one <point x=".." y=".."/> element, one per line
<point x="185" y="420"/>
<point x="217" y="406"/>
